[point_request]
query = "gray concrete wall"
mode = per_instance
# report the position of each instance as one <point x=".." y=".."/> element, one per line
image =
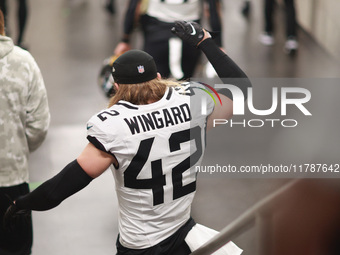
<point x="321" y="19"/>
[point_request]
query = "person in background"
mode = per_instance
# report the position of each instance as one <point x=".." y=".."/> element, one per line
<point x="24" y="120"/>
<point x="246" y="7"/>
<point x="267" y="37"/>
<point x="22" y="13"/>
<point x="110" y="6"/>
<point x="172" y="56"/>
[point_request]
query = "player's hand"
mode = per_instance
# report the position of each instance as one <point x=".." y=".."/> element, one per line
<point x="121" y="48"/>
<point x="14" y="215"/>
<point x="190" y="32"/>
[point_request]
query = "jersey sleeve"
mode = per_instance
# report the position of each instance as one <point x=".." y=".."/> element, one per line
<point x="97" y="136"/>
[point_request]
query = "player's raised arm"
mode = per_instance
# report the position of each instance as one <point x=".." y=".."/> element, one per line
<point x="228" y="71"/>
<point x="193" y="34"/>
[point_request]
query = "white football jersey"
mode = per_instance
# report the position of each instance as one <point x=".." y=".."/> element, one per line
<point x="157" y="147"/>
<point x="172" y="10"/>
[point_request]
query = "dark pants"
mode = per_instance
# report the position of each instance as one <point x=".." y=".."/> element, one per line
<point x="156" y="42"/>
<point x="21" y="15"/>
<point x="269" y="10"/>
<point x="173" y="245"/>
<point x="17" y="241"/>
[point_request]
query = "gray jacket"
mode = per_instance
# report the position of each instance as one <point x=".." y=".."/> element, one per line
<point x="24" y="112"/>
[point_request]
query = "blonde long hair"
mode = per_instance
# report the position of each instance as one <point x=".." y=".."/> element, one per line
<point x="142" y="93"/>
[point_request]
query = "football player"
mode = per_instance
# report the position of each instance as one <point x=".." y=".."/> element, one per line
<point x="152" y="136"/>
<point x="156" y="18"/>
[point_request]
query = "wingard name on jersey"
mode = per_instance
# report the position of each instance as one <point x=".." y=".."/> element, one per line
<point x="159" y="119"/>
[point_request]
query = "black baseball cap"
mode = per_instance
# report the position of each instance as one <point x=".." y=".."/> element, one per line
<point x="134" y="66"/>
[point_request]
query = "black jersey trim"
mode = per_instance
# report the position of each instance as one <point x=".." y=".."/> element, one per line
<point x="127" y="106"/>
<point x="101" y="147"/>
<point x="168" y="96"/>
